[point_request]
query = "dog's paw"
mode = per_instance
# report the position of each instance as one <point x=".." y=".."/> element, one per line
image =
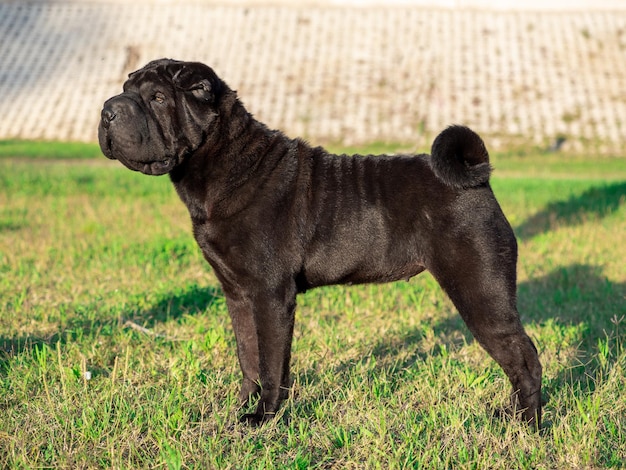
<point x="256" y="419"/>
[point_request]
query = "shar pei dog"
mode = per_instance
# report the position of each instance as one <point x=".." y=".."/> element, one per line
<point x="274" y="217"/>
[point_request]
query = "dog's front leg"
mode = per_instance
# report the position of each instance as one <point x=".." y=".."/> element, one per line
<point x="273" y="311"/>
<point x="241" y="314"/>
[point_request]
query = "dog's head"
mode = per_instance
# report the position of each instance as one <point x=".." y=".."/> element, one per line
<point x="165" y="113"/>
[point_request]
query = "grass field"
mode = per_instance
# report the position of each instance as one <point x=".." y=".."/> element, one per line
<point x="116" y="349"/>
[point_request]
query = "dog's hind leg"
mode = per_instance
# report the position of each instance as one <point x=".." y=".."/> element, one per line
<point x="483" y="290"/>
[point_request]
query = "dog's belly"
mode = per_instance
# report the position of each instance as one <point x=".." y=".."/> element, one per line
<point x="358" y="263"/>
<point x="366" y="275"/>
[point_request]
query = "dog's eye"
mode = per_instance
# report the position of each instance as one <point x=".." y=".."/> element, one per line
<point x="159" y="97"/>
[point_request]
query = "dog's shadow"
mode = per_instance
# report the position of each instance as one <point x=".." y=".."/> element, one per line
<point x="597" y="202"/>
<point x="194" y="299"/>
<point x="169" y="307"/>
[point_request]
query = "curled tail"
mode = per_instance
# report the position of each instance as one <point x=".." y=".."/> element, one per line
<point x="459" y="158"/>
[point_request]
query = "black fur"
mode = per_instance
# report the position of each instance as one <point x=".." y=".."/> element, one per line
<point x="274" y="217"/>
<point x="459" y="158"/>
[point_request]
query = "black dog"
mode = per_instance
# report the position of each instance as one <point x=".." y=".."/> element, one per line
<point x="275" y="217"/>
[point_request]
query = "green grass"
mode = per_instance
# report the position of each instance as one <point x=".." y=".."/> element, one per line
<point x="116" y="349"/>
<point x="48" y="149"/>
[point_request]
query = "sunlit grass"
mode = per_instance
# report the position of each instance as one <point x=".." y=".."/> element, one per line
<point x="116" y="348"/>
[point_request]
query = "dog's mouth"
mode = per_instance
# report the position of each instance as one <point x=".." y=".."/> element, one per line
<point x="153" y="168"/>
<point x="149" y="166"/>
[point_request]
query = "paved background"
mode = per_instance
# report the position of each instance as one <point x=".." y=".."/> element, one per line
<point x="343" y="73"/>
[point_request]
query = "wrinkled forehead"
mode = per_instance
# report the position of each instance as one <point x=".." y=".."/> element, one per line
<point x="145" y="76"/>
<point x="158" y="72"/>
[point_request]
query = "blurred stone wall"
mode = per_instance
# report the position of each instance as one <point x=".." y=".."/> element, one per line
<point x="398" y="72"/>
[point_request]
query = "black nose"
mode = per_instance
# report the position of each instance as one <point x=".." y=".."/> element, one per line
<point x="107" y="115"/>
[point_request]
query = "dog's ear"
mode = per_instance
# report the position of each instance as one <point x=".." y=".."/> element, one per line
<point x="199" y="81"/>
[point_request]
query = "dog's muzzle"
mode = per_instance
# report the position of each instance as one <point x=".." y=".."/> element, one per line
<point x="124" y="135"/>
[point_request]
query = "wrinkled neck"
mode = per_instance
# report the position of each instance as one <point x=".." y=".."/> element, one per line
<point x="236" y="146"/>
